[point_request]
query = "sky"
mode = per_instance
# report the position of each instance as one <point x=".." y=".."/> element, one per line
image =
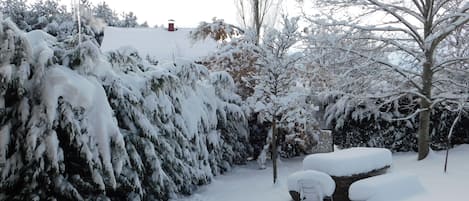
<point x="186" y="13"/>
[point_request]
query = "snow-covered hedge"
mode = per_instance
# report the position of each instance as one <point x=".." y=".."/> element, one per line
<point x="180" y="127"/>
<point x="75" y="125"/>
<point x="356" y="121"/>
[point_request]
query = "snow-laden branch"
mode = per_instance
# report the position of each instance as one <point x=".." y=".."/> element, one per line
<point x="395" y="44"/>
<point x="372" y="28"/>
<point x="411" y="28"/>
<point x="402" y="9"/>
<point x="440" y="22"/>
<point x="458" y="70"/>
<point x="460" y="17"/>
<point x="411" y="116"/>
<point x="393" y="67"/>
<point x="454" y="124"/>
<point x="444" y="64"/>
<point x="440" y="5"/>
<point x="450" y="97"/>
<point x="419" y="6"/>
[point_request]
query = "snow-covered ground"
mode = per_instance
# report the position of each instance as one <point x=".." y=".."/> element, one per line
<point x="248" y="183"/>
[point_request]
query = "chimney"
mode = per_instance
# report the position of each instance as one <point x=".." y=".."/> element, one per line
<point x="171" y="25"/>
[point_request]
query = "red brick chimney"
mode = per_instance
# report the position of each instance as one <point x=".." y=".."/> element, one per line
<point x="171" y="25"/>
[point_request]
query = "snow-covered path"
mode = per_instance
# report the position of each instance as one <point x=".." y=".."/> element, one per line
<point x="248" y="183"/>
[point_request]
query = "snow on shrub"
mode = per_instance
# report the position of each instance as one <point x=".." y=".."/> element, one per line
<point x="358" y="121"/>
<point x="190" y="120"/>
<point x="74" y="126"/>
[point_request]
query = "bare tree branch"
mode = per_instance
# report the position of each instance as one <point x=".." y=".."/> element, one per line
<point x="401" y="19"/>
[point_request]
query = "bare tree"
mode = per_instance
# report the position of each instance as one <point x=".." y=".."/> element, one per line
<point x="416" y="30"/>
<point x="255" y="14"/>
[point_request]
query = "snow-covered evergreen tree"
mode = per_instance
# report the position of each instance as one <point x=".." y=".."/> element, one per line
<point x="191" y="128"/>
<point x="45" y="12"/>
<point x="103" y="11"/>
<point x="18" y="11"/>
<point x="61" y="130"/>
<point x="128" y="20"/>
<point x="76" y="125"/>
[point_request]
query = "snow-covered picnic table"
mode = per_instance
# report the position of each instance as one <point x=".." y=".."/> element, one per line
<point x="349" y="165"/>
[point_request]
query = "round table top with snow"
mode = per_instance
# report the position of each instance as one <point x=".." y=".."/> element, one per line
<point x="349" y="162"/>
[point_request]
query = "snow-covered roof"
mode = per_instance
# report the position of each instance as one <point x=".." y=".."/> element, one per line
<point x="158" y="42"/>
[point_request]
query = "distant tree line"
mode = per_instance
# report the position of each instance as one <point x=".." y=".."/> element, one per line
<point x="60" y="21"/>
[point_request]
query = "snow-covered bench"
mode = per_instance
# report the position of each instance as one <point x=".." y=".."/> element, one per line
<point x="349" y="165"/>
<point x="310" y="185"/>
<point x="388" y="187"/>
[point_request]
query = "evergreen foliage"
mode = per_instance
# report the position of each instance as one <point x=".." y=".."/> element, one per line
<point x="392" y="125"/>
<point x="77" y="125"/>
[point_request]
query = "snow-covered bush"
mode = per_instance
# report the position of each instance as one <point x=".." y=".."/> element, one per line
<point x="60" y="21"/>
<point x="60" y="137"/>
<point x="74" y="126"/>
<point x="238" y="57"/>
<point x="217" y="29"/>
<point x="179" y="127"/>
<point x="391" y="124"/>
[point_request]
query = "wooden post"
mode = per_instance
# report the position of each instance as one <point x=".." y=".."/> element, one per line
<point x="274" y="149"/>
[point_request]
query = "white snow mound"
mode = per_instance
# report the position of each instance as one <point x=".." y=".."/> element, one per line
<point x="387" y="187"/>
<point x="349" y="162"/>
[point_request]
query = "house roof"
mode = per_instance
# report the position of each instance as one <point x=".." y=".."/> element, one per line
<point x="158" y="42"/>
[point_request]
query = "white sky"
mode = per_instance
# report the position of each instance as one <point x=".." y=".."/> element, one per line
<point x="187" y="13"/>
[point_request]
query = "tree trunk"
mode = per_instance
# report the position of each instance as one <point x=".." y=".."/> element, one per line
<point x="424" y="131"/>
<point x="425" y="105"/>
<point x="274" y="149"/>
<point x="257" y="19"/>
